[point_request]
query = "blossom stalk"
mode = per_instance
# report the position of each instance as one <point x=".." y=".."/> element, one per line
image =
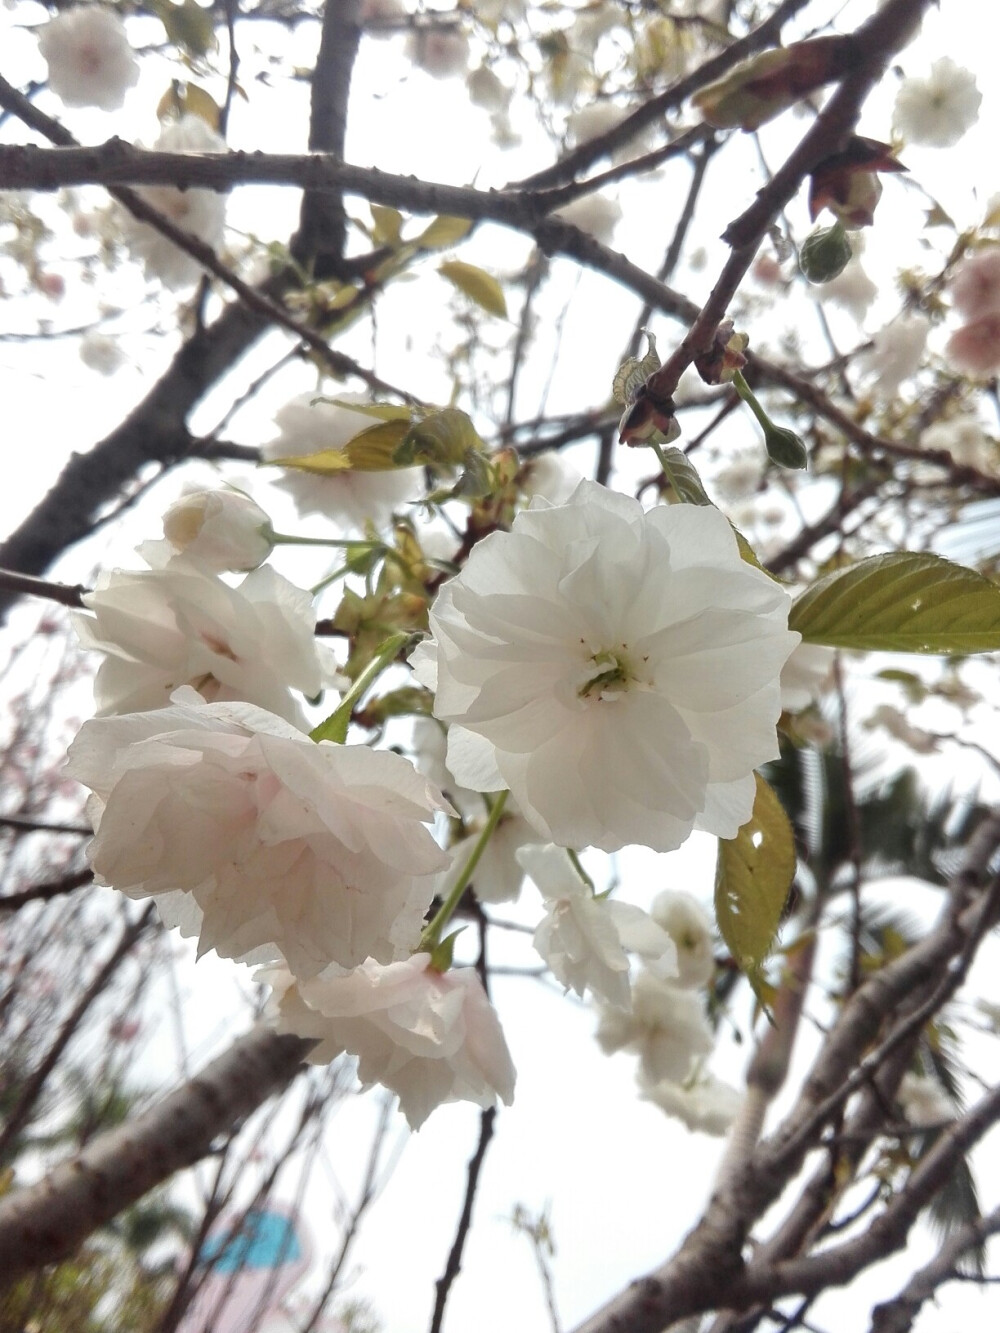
<point x="443" y="915"/>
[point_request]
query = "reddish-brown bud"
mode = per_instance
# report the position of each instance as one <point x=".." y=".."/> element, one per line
<point x="847" y="183"/>
<point x="720" y="361"/>
<point x="761" y="88"/>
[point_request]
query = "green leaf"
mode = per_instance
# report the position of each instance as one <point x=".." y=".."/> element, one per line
<point x="388" y="225"/>
<point x="633" y="373"/>
<point x="380" y="411"/>
<point x="904" y="602"/>
<point x="443" y="439"/>
<point x="683" y="477"/>
<point x="477" y="284"/>
<point x="752" y="878"/>
<point x="373" y="450"/>
<point x="188" y="99"/>
<point x="188" y="25"/>
<point x="443" y="232"/>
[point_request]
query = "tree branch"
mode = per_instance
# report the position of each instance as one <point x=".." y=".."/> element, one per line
<point x="897" y="1315"/>
<point x="42" y="1223"/>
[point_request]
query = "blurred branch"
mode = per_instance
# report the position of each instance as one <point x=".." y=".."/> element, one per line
<point x="55" y="888"/>
<point x="47" y="1221"/>
<point x="32" y="1088"/>
<point x="709" y="1271"/>
<point x="898" y="1314"/>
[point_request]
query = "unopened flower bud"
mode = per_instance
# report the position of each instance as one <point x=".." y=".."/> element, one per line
<point x="825" y="253"/>
<point x="222" y="529"/>
<point x="785" y="448"/>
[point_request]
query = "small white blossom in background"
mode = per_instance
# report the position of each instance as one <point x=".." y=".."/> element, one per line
<point x="616" y="670"/>
<point x="975" y="284"/>
<point x="220" y="529"/>
<point x="923" y="1101"/>
<point x="706" y="1104"/>
<point x="666" y="1028"/>
<point x="440" y="52"/>
<point x="852" y="289"/>
<point x="101" y="353"/>
<point x="805" y="675"/>
<point x="550" y="475"/>
<point x="937" y="111"/>
<point x="89" y="57"/>
<point x="163" y="628"/>
<point x="974" y="349"/>
<point x="200" y="212"/>
<point x="740" y="476"/>
<point x="896" y="353"/>
<point x="584" y="938"/>
<point x="591" y="121"/>
<point x="690" y="927"/>
<point x="487" y="91"/>
<point x="350" y="498"/>
<point x="275" y="843"/>
<point x="964" y="438"/>
<point x="430" y="1037"/>
<point x="596" y="214"/>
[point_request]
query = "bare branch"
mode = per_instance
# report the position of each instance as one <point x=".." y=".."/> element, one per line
<point x="45" y="1222"/>
<point x="897" y="1315"/>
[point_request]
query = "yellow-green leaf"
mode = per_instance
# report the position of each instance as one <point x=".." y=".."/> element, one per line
<point x="188" y="99"/>
<point x="373" y="450"/>
<point x="444" y="231"/>
<point x="683" y="476"/>
<point x="380" y="411"/>
<point x="752" y="878"/>
<point x="388" y="224"/>
<point x="476" y="284"/>
<point x="188" y="25"/>
<point x="903" y="602"/>
<point x="443" y="439"/>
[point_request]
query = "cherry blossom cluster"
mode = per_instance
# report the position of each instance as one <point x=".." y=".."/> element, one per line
<point x="602" y="676"/>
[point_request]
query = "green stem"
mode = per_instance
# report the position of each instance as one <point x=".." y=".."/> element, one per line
<point x="286" y="539"/>
<point x="443" y="915"/>
<point x="578" y="867"/>
<point x="750" y="398"/>
<point x="335" y="726"/>
<point x="658" y="450"/>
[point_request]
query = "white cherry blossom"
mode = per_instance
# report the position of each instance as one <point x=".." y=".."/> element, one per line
<point x="616" y="670"/>
<point x="896" y="353"/>
<point x="180" y="625"/>
<point x="89" y="57"/>
<point x="690" y="927"/>
<point x="584" y="938"/>
<point x="596" y="214"/>
<point x="666" y="1027"/>
<point x="937" y="111"/>
<point x="200" y="212"/>
<point x="428" y="1036"/>
<point x="100" y="352"/>
<point x="705" y="1104"/>
<point x="259" y="838"/>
